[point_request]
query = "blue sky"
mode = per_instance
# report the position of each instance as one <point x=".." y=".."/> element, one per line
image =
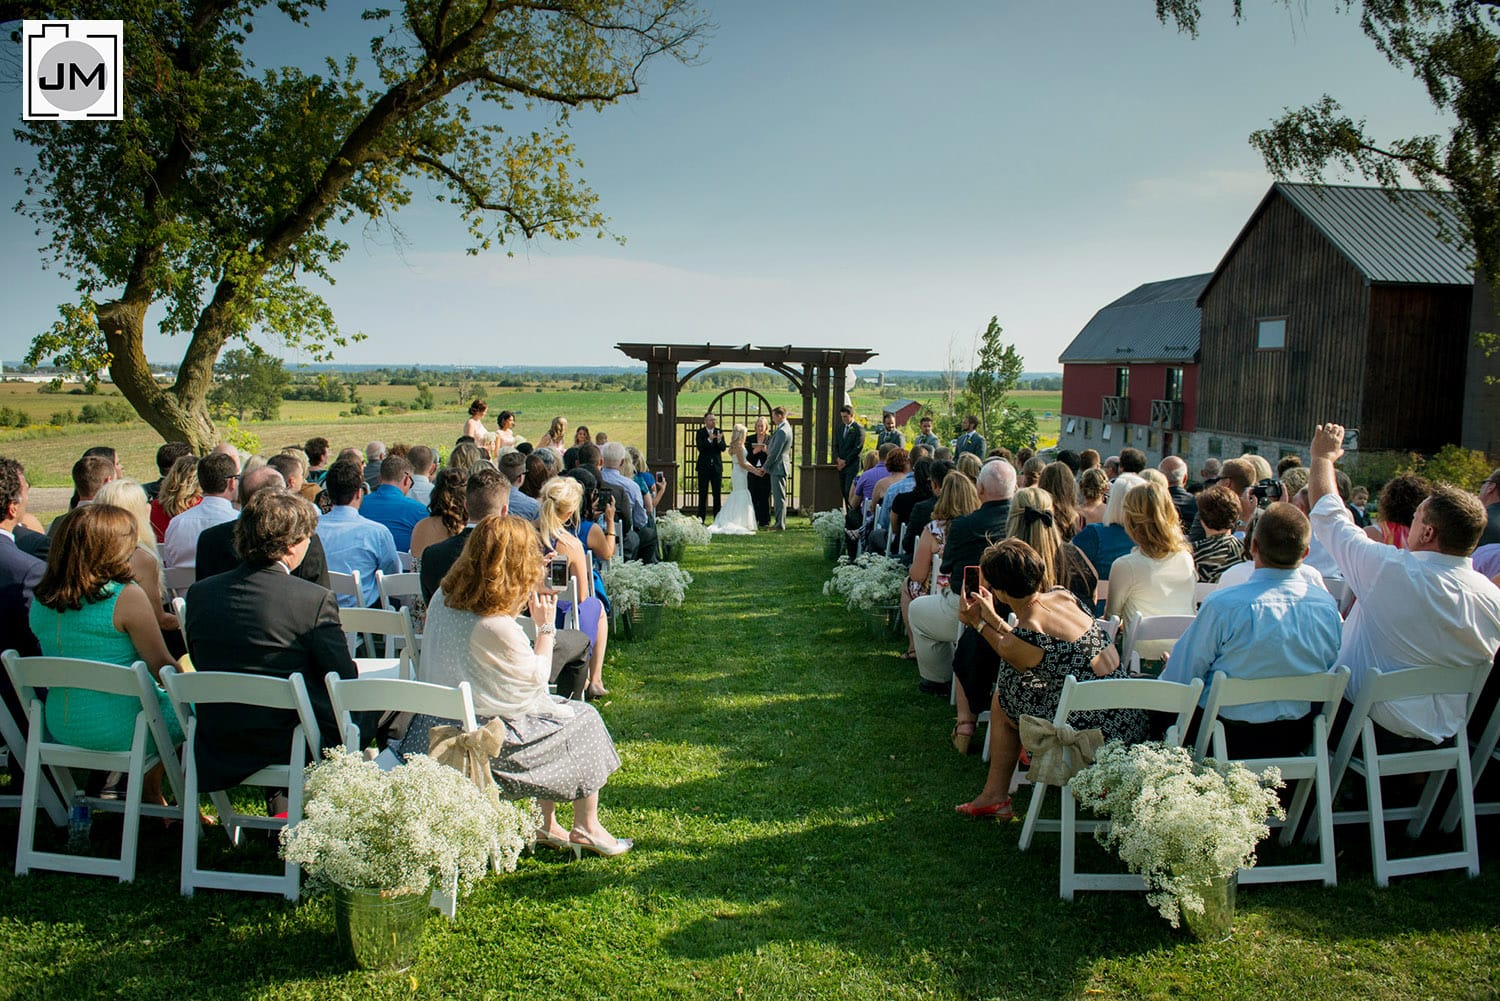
<point x="868" y="174"/>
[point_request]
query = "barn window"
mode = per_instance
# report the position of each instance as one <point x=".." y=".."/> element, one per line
<point x="1072" y="423"/>
<point x="1216" y="447"/>
<point x="1088" y="429"/>
<point x="1174" y="384"/>
<point x="1272" y="334"/>
<point x="1122" y="382"/>
<point x="1107" y="429"/>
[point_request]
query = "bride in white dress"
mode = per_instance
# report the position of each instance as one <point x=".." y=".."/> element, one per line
<point x="737" y="516"/>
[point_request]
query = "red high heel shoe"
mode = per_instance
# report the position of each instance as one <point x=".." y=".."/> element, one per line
<point x="1000" y="811"/>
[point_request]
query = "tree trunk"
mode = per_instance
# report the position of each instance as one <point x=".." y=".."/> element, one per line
<point x="173" y="417"/>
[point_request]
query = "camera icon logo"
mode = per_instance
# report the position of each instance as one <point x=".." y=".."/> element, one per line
<point x="73" y="71"/>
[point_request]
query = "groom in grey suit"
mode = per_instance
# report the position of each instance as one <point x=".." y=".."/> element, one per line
<point x="779" y="467"/>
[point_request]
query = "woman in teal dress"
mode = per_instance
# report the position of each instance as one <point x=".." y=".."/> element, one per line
<point x="88" y="607"/>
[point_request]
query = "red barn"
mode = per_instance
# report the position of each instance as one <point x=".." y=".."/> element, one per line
<point x="1130" y="377"/>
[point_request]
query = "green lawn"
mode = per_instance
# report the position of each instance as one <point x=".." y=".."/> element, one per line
<point x="791" y="795"/>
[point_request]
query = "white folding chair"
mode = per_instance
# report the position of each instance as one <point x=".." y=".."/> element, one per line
<point x="1310" y="771"/>
<point x="1484" y="752"/>
<point x="189" y="692"/>
<point x="399" y="590"/>
<point x="347" y="585"/>
<point x="1104" y="693"/>
<point x="1376" y="687"/>
<point x="368" y="623"/>
<point x="394" y="695"/>
<point x="570" y="621"/>
<point x="407" y="561"/>
<point x="179" y="609"/>
<point x="178" y="579"/>
<point x="1201" y="591"/>
<point x="28" y="674"/>
<point x="14" y="742"/>
<point x="1147" y="628"/>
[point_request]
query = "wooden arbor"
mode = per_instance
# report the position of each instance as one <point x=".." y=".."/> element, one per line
<point x="817" y="373"/>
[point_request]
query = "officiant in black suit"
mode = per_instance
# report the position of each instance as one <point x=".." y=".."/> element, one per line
<point x="711" y="446"/>
<point x="258" y="619"/>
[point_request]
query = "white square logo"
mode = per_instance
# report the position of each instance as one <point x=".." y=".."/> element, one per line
<point x="73" y="71"/>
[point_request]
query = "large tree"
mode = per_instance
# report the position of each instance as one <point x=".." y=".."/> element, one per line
<point x="215" y="194"/>
<point x="1452" y="48"/>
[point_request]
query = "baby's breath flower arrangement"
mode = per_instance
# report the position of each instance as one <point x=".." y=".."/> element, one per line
<point x="631" y="584"/>
<point x="404" y="830"/>
<point x="870" y="583"/>
<point x="1178" y="823"/>
<point x="828" y="526"/>
<point x="673" y="529"/>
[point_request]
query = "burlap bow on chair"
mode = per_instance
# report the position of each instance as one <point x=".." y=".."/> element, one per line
<point x="470" y="752"/>
<point x="1048" y="745"/>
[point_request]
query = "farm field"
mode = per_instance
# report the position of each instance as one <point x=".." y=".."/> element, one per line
<point x="49" y="452"/>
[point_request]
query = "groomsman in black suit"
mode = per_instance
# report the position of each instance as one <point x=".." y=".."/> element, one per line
<point x="711" y="446"/>
<point x="849" y="448"/>
<point x="889" y="432"/>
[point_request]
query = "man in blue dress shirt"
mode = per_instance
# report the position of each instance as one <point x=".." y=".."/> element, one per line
<point x="351" y="541"/>
<point x="1274" y="625"/>
<point x="389" y="505"/>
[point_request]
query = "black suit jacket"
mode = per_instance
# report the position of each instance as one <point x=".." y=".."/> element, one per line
<point x="1186" y="505"/>
<point x="33" y="543"/>
<point x="921" y="516"/>
<point x="438" y="559"/>
<point x="711" y="452"/>
<point x="259" y="620"/>
<point x="1492" y="525"/>
<point x="970" y="535"/>
<point x="216" y="555"/>
<point x="851" y="444"/>
<point x="20" y="573"/>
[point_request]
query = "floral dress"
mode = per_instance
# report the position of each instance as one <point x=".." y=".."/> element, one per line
<point x="917" y="590"/>
<point x="1036" y="692"/>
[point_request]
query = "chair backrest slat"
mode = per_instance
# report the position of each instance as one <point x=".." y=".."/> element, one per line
<point x="1126" y="693"/>
<point x="65" y="672"/>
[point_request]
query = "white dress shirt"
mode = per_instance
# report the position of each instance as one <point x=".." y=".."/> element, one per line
<point x="180" y="546"/>
<point x="421" y="489"/>
<point x="1414" y="610"/>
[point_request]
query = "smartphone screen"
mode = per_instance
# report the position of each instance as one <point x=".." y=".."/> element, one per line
<point x="971" y="581"/>
<point x="557" y="573"/>
<point x="661" y="477"/>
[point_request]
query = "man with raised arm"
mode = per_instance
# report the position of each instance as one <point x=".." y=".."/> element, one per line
<point x="1421" y="606"/>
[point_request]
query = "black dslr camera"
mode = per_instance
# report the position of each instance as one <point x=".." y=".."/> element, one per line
<point x="1266" y="492"/>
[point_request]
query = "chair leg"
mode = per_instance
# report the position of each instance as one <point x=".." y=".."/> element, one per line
<point x="1294" y="813"/>
<point x="132" y="829"/>
<point x="1379" y="859"/>
<point x="190" y="832"/>
<point x="1033" y="814"/>
<point x="1066" y="862"/>
<point x="30" y="781"/>
<point x="1325" y="820"/>
<point x="1465" y="796"/>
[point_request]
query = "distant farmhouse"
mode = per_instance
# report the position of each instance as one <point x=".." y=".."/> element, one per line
<point x="1333" y="303"/>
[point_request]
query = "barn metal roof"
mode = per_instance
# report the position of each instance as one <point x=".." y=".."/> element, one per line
<point x="1157" y="322"/>
<point x="1392" y="236"/>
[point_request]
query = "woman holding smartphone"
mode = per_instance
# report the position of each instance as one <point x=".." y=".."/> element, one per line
<point x="560" y="500"/>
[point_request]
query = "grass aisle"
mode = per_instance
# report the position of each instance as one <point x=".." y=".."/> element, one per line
<point x="791" y="796"/>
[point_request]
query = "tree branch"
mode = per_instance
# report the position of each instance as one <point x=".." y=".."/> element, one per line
<point x="477" y="198"/>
